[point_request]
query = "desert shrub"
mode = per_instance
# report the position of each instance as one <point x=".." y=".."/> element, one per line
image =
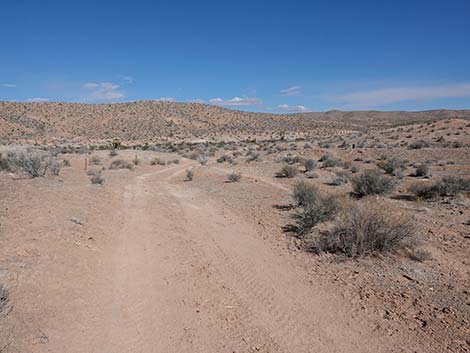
<point x="95" y="160"/>
<point x="4" y="297"/>
<point x="223" y="158"/>
<point x="364" y="229"/>
<point x="97" y="179"/>
<point x="65" y="163"/>
<point x="418" y="145"/>
<point x="233" y="177"/>
<point x="392" y="166"/>
<point x="33" y="162"/>
<point x="136" y="160"/>
<point x="194" y="156"/>
<point x="189" y="175"/>
<point x="287" y="171"/>
<point x="291" y="159"/>
<point x="175" y="161"/>
<point x="311" y="175"/>
<point x="309" y="165"/>
<point x="354" y="169"/>
<point x="304" y="194"/>
<point x="340" y="179"/>
<point x="372" y="183"/>
<point x="203" y="159"/>
<point x="121" y="164"/>
<point x="422" y="170"/>
<point x="329" y="162"/>
<point x="447" y="186"/>
<point x="157" y="161"/>
<point x="318" y="208"/>
<point x="420" y="255"/>
<point x="252" y="156"/>
<point x="55" y="167"/>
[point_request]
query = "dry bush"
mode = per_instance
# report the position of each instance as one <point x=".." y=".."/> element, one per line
<point x="136" y="160"/>
<point x="422" y="171"/>
<point x="372" y="183"/>
<point x="287" y="171"/>
<point x="365" y="229"/>
<point x="447" y="186"/>
<point x="66" y="163"/>
<point x="330" y="161"/>
<point x="95" y="160"/>
<point x="33" y="162"/>
<point x="420" y="255"/>
<point x="97" y="179"/>
<point x="189" y="175"/>
<point x="304" y="194"/>
<point x="418" y="145"/>
<point x="203" y="159"/>
<point x="309" y="165"/>
<point x="392" y="166"/>
<point x="4" y="297"/>
<point x="316" y="207"/>
<point x="234" y="177"/>
<point x="121" y="164"/>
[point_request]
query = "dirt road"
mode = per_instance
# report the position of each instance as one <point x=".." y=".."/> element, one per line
<point x="181" y="272"/>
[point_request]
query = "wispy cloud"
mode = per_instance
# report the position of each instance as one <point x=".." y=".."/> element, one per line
<point x="7" y="85"/>
<point x="37" y="100"/>
<point x="126" y="78"/>
<point x="386" y="96"/>
<point x="236" y="102"/>
<point x="166" y="99"/>
<point x="104" y="91"/>
<point x="291" y="91"/>
<point x="292" y="108"/>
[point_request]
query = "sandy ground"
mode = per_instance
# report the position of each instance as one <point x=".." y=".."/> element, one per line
<point x="150" y="263"/>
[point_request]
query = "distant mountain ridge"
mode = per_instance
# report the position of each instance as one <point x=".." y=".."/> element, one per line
<point x="152" y="121"/>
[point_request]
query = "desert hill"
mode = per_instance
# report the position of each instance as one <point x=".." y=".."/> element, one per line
<point x="157" y="121"/>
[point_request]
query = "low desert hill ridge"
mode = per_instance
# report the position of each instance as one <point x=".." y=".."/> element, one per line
<point x="152" y="121"/>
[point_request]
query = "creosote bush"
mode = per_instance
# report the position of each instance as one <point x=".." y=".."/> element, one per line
<point x="234" y="177"/>
<point x="304" y="194"/>
<point x="365" y="229"/>
<point x="372" y="183"/>
<point x="309" y="165"/>
<point x="287" y="171"/>
<point x="315" y="207"/>
<point x="121" y="164"/>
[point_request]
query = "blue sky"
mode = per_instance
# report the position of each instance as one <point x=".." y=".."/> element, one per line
<point x="279" y="56"/>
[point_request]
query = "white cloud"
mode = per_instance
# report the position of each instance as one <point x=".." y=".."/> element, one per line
<point x="387" y="96"/>
<point x="291" y="91"/>
<point x="104" y="91"/>
<point x="166" y="99"/>
<point x="37" y="100"/>
<point x="236" y="102"/>
<point x="292" y="108"/>
<point x="7" y="85"/>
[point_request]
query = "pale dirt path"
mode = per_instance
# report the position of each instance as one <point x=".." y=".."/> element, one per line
<point x="183" y="274"/>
